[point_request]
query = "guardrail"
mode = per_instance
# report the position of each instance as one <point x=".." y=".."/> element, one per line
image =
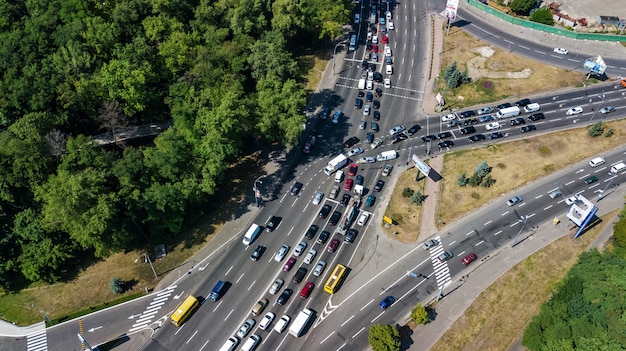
<point x="543" y="27"/>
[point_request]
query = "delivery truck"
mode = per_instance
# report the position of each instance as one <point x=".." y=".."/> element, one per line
<point x="335" y="164"/>
<point x="508" y="112"/>
<point x="300" y="323"/>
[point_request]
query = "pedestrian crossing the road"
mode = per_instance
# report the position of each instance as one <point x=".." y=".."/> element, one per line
<point x="37" y="341"/>
<point x="442" y="272"/>
<point x="146" y="317"/>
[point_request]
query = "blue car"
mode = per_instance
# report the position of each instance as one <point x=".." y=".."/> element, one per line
<point x="388" y="301"/>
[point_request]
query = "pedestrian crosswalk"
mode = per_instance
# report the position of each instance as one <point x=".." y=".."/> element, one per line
<point x="148" y="315"/>
<point x="37" y="341"/>
<point x="442" y="272"/>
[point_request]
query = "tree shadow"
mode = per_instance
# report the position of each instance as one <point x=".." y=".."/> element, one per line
<point x="406" y="337"/>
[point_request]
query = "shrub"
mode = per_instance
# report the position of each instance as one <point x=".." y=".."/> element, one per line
<point x="407" y="192"/>
<point x="487" y="84"/>
<point x="419" y="315"/>
<point x="116" y="285"/>
<point x="417" y="198"/>
<point x="596" y="130"/>
<point x="482" y="169"/>
<point x="475" y="195"/>
<point x="462" y="180"/>
<point x="488" y="181"/>
<point x="522" y="7"/>
<point x="542" y="15"/>
<point x="609" y="133"/>
<point x="474" y="180"/>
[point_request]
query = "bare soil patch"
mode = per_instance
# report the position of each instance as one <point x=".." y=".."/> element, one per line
<point x="407" y="215"/>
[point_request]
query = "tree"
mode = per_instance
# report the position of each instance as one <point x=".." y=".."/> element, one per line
<point x="488" y="181"/>
<point x="482" y="169"/>
<point x="280" y="109"/>
<point x="522" y="7"/>
<point x="543" y="15"/>
<point x="384" y="338"/>
<point x="269" y="58"/>
<point x="419" y="314"/>
<point x="116" y="285"/>
<point x="417" y="198"/>
<point x="462" y="180"/>
<point x="596" y="129"/>
<point x="448" y="71"/>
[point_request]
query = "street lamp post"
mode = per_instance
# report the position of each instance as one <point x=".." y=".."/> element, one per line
<point x="335" y="53"/>
<point x="524" y="220"/>
<point x="147" y="258"/>
<point x="257" y="192"/>
<point x="598" y="107"/>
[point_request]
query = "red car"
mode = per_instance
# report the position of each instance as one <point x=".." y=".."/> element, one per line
<point x="385" y="39"/>
<point x="289" y="264"/>
<point x="469" y="259"/>
<point x="332" y="247"/>
<point x="306" y="291"/>
<point x="348" y="185"/>
<point x="352" y="169"/>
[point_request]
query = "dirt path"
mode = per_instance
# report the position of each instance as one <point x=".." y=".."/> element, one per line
<point x="428" y="225"/>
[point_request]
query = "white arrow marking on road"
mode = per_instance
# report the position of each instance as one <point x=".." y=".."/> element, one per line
<point x="94" y="329"/>
<point x="176" y="297"/>
<point x="203" y="267"/>
<point x="134" y="315"/>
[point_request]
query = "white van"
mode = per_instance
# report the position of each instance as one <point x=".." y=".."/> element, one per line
<point x="618" y="167"/>
<point x="230" y="344"/>
<point x="534" y="107"/>
<point x="251" y="343"/>
<point x="389" y="69"/>
<point x="387" y="155"/>
<point x="251" y="234"/>
<point x="596" y="162"/>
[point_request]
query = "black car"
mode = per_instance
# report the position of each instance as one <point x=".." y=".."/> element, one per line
<point x="536" y="117"/>
<point x="295" y="189"/>
<point x="467" y="130"/>
<point x="310" y="233"/>
<point x="379" y="185"/>
<point x="324" y="235"/>
<point x="368" y="46"/>
<point x="378" y="77"/>
<point x="284" y="297"/>
<point x="358" y="103"/>
<point x="496" y="135"/>
<point x="272" y="223"/>
<point x="444" y="135"/>
<point x="523" y="102"/>
<point x="257" y="253"/>
<point x="361" y="93"/>
<point x="369" y="138"/>
<point x="325" y="211"/>
<point x="477" y="137"/>
<point x="467" y="114"/>
<point x="351" y="236"/>
<point x="445" y="143"/>
<point x="379" y="92"/>
<point x="470" y="121"/>
<point x="376" y="116"/>
<point x="325" y="112"/>
<point x="334" y="219"/>
<point x="427" y="138"/>
<point x="300" y="273"/>
<point x="528" y="128"/>
<point x="359" y="180"/>
<point x="372" y="67"/>
<point x="398" y="138"/>
<point x="345" y="200"/>
<point x="376" y="104"/>
<point x="364" y="65"/>
<point x="350" y="142"/>
<point x="517" y="121"/>
<point x="504" y="105"/>
<point x="414" y="129"/>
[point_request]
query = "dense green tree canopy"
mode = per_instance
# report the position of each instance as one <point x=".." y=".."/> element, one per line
<point x="223" y="71"/>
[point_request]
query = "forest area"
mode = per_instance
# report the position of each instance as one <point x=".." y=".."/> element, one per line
<point x="588" y="310"/>
<point x="224" y="72"/>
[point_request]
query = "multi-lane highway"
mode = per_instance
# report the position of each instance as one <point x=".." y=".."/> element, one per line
<point x="378" y="266"/>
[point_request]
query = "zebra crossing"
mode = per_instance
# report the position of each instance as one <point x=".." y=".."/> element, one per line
<point x="442" y="272"/>
<point x="37" y="341"/>
<point x="148" y="315"/>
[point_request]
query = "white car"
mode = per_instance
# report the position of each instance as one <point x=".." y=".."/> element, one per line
<point x="366" y="111"/>
<point x="387" y="83"/>
<point x="281" y="253"/>
<point x="310" y="256"/>
<point x="355" y="151"/>
<point x="282" y="324"/>
<point x="318" y="198"/>
<point x="375" y="39"/>
<point x="396" y="130"/>
<point x="560" y="51"/>
<point x="363" y="219"/>
<point x="369" y="85"/>
<point x="299" y="249"/>
<point x="319" y="268"/>
<point x="492" y="126"/>
<point x="570" y="200"/>
<point x="267" y="320"/>
<point x="390" y="25"/>
<point x="276" y="286"/>
<point x="245" y="328"/>
<point x="574" y="111"/>
<point x="339" y="177"/>
<point x="368" y="159"/>
<point x="370" y="75"/>
<point x="387" y="50"/>
<point x="449" y="117"/>
<point x="376" y="143"/>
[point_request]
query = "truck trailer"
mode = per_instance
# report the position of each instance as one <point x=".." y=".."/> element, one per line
<point x="297" y="327"/>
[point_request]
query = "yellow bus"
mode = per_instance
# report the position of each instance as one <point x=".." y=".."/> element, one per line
<point x="334" y="281"/>
<point x="184" y="310"/>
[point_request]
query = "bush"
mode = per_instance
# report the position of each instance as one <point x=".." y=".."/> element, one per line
<point x="542" y="15"/>
<point x="407" y="192"/>
<point x="455" y="78"/>
<point x="596" y="130"/>
<point x="487" y="84"/>
<point x="483" y="169"/>
<point x="419" y="315"/>
<point x="384" y="338"/>
<point x="488" y="181"/>
<point x="462" y="180"/>
<point x="116" y="285"/>
<point x="417" y="198"/>
<point x="522" y="7"/>
<point x="474" y="180"/>
<point x="609" y="133"/>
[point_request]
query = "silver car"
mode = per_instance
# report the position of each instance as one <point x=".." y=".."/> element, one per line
<point x="299" y="249"/>
<point x="246" y="327"/>
<point x="368" y="159"/>
<point x="318" y="198"/>
<point x="276" y="286"/>
<point x="355" y="151"/>
<point x="430" y="243"/>
<point x="319" y="268"/>
<point x="281" y="253"/>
